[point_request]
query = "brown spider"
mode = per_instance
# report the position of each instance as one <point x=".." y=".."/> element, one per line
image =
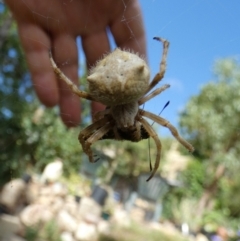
<point x="121" y="82"/>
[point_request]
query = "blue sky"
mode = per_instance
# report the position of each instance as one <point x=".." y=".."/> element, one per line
<point x="199" y="32"/>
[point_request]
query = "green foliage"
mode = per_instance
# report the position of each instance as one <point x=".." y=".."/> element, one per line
<point x="214" y="218"/>
<point x="138" y="232"/>
<point x="211" y="121"/>
<point x="229" y="195"/>
<point x="212" y="118"/>
<point x="31" y="234"/>
<point x="194" y="179"/>
<point x="49" y="138"/>
<point x="15" y="93"/>
<point x="51" y="232"/>
<point x="48" y="231"/>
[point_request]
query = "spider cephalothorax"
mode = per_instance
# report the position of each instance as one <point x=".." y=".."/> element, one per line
<point x="121" y="81"/>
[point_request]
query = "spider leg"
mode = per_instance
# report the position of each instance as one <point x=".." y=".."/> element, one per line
<point x="158" y="77"/>
<point x="93" y="133"/>
<point x="88" y="131"/>
<point x="100" y="114"/>
<point x="161" y="121"/>
<point x="95" y="137"/>
<point x="152" y="94"/>
<point x="154" y="135"/>
<point x="63" y="77"/>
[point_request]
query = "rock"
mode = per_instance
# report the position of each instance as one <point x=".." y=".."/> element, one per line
<point x="92" y="218"/>
<point x="66" y="236"/>
<point x="57" y="205"/>
<point x="71" y="206"/>
<point x="35" y="214"/>
<point x="9" y="225"/>
<point x="13" y="195"/>
<point x="201" y="237"/>
<point x="66" y="222"/>
<point x="121" y="218"/>
<point x="103" y="227"/>
<point x="89" y="206"/>
<point x="86" y="232"/>
<point x="45" y="200"/>
<point x="46" y="191"/>
<point x="58" y="189"/>
<point x="137" y="214"/>
<point x="49" y="194"/>
<point x="32" y="192"/>
<point x="52" y="172"/>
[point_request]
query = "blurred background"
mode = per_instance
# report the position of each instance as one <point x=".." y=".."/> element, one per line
<point x="192" y="197"/>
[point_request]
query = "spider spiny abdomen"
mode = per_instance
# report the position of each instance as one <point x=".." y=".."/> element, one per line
<point x="121" y="77"/>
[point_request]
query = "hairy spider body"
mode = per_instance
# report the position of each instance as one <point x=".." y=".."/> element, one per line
<point x="129" y="135"/>
<point x="121" y="81"/>
<point x="118" y="79"/>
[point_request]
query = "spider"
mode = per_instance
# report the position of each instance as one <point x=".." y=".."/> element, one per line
<point x="121" y="82"/>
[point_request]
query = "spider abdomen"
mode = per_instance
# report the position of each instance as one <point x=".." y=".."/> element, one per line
<point x="120" y="78"/>
<point x="124" y="115"/>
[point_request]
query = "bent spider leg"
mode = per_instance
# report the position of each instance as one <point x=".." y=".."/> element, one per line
<point x="161" y="121"/>
<point x="154" y="135"/>
<point x="93" y="138"/>
<point x="137" y="131"/>
<point x="71" y="85"/>
<point x="89" y="130"/>
<point x="149" y="156"/>
<point x="152" y="94"/>
<point x="158" y="77"/>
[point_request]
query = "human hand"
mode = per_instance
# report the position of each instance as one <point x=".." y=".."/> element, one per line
<point x="55" y="24"/>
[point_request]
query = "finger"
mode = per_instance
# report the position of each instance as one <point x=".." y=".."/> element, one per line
<point x="36" y="44"/>
<point x="95" y="46"/>
<point x="65" y="53"/>
<point x="130" y="34"/>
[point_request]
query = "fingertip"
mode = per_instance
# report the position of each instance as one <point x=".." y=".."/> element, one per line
<point x="70" y="113"/>
<point x="48" y="102"/>
<point x="46" y="88"/>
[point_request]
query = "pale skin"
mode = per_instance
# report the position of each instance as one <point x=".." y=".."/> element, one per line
<point x="54" y="25"/>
